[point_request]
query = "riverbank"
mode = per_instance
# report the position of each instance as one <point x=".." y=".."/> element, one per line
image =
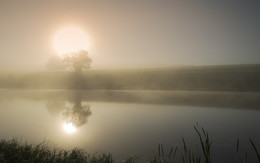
<point x="199" y="78"/>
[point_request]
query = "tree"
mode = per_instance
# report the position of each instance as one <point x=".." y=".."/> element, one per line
<point x="74" y="60"/>
<point x="77" y="60"/>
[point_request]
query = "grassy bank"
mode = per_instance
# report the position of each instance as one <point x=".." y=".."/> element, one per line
<point x="16" y="151"/>
<point x="215" y="78"/>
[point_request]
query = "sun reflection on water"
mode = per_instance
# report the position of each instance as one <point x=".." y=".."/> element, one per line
<point x="69" y="127"/>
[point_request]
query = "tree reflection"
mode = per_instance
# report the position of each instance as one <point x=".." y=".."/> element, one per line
<point x="77" y="115"/>
<point x="74" y="112"/>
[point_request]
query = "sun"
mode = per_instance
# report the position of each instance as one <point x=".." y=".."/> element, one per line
<point x="70" y="39"/>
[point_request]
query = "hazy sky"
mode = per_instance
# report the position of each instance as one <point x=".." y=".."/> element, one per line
<point x="133" y="33"/>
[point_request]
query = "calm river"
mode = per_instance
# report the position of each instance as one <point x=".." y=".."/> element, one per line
<point x="127" y="123"/>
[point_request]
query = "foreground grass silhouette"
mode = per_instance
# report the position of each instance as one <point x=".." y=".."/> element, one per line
<point x="16" y="151"/>
<point x="202" y="155"/>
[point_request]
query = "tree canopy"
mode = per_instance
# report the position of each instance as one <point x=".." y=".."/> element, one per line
<point x="78" y="60"/>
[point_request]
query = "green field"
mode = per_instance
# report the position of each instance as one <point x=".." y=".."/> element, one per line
<point x="213" y="78"/>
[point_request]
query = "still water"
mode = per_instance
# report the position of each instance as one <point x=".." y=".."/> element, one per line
<point x="127" y="123"/>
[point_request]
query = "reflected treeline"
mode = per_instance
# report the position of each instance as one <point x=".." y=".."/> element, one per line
<point x="72" y="109"/>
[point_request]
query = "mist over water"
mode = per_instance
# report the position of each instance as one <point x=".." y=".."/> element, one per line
<point x="123" y="77"/>
<point x="129" y="122"/>
<point x="130" y="112"/>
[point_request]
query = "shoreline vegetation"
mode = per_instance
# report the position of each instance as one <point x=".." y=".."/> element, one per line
<point x="15" y="151"/>
<point x="199" y="78"/>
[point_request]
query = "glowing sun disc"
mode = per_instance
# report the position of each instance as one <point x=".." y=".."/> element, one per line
<point x="69" y="128"/>
<point x="70" y="39"/>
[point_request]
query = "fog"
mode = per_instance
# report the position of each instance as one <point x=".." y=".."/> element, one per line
<point x="205" y="78"/>
<point x="122" y="77"/>
<point x="132" y="34"/>
<point x="131" y="122"/>
<point x="57" y="100"/>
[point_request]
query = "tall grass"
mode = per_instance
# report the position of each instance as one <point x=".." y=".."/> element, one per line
<point x="187" y="156"/>
<point x="255" y="149"/>
<point x="15" y="151"/>
<point x="199" y="156"/>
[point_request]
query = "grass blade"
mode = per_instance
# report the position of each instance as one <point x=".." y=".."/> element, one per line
<point x="257" y="153"/>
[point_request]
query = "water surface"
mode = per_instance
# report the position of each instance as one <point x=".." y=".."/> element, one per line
<point x="125" y="123"/>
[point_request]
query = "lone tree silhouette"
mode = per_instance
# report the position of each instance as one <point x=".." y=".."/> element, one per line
<point x="77" y="60"/>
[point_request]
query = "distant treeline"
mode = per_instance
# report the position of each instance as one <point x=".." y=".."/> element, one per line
<point x="215" y="78"/>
